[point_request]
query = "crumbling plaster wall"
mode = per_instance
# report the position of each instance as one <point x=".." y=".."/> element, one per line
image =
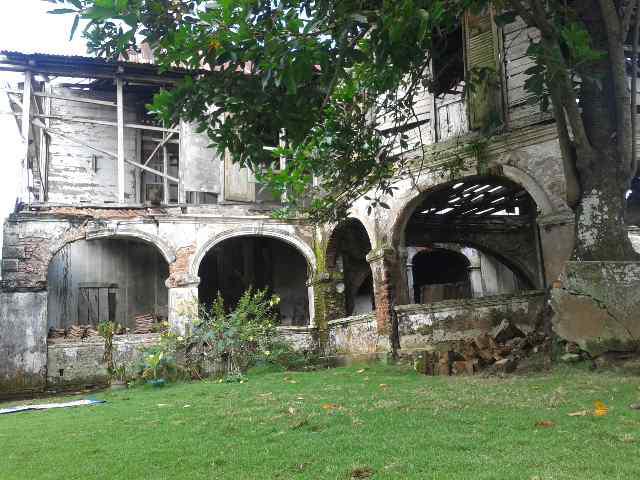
<point x="136" y="271"/>
<point x="80" y="363"/>
<point x="422" y="326"/>
<point x="23" y="342"/>
<point x="32" y="238"/>
<point x="355" y="335"/>
<point x="529" y="156"/>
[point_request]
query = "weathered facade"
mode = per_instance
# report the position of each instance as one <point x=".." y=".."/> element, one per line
<point x="121" y="216"/>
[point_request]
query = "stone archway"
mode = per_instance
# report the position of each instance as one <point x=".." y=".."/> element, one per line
<point x="262" y="258"/>
<point x="349" y="273"/>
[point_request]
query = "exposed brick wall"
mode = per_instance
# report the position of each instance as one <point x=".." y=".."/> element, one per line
<point x="179" y="269"/>
<point x="384" y="264"/>
<point x="26" y="253"/>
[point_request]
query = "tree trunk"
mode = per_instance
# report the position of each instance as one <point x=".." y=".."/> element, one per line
<point x="601" y="233"/>
<point x="603" y="158"/>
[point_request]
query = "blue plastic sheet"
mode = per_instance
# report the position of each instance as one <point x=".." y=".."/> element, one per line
<point x="48" y="406"/>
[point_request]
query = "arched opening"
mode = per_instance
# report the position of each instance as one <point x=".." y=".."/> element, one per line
<point x="233" y="265"/>
<point x="440" y="274"/>
<point x="472" y="237"/>
<point x="107" y="279"/>
<point x="346" y="260"/>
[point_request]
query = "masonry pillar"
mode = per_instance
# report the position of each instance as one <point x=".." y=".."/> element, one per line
<point x="183" y="303"/>
<point x="23" y="342"/>
<point x="557" y="238"/>
<point x="386" y="265"/>
<point x="411" y="252"/>
<point x="329" y="302"/>
<point x="23" y="309"/>
<point x="475" y="272"/>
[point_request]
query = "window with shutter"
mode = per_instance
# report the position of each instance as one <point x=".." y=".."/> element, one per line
<point x="200" y="162"/>
<point x="482" y="72"/>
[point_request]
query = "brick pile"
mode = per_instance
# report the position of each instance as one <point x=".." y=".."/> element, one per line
<point x="144" y="323"/>
<point x="497" y="352"/>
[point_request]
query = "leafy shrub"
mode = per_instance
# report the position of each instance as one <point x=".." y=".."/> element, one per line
<point x="224" y="342"/>
<point x="231" y="339"/>
<point x="281" y="354"/>
<point x="158" y="362"/>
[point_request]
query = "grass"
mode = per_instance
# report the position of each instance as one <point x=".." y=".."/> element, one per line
<point x="383" y="422"/>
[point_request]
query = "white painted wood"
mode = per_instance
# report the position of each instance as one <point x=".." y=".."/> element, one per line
<point x="120" y="116"/>
<point x="105" y="152"/>
<point x="165" y="169"/>
<point x="162" y="144"/>
<point x="26" y="128"/>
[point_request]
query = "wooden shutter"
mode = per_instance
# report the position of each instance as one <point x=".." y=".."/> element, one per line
<point x="481" y="55"/>
<point x="239" y="183"/>
<point x="199" y="163"/>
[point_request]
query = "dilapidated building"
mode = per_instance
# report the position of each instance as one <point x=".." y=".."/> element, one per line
<point x="122" y="218"/>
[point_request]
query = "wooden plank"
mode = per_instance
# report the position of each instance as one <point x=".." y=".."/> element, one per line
<point x="120" y="127"/>
<point x="26" y="128"/>
<point x="165" y="169"/>
<point x="103" y="304"/>
<point x="162" y="144"/>
<point x="93" y="306"/>
<point x="151" y="170"/>
<point x="83" y="307"/>
<point x="106" y="152"/>
<point x="92" y="121"/>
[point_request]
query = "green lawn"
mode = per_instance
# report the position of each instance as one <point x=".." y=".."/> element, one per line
<point x="384" y="422"/>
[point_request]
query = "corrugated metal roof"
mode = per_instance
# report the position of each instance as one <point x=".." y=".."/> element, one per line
<point x="79" y="61"/>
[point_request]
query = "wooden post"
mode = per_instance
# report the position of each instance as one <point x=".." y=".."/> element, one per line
<point x="120" y="126"/>
<point x="182" y="196"/>
<point x="165" y="170"/>
<point x="23" y="191"/>
<point x="283" y="160"/>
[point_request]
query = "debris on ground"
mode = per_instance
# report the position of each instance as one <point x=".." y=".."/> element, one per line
<point x="497" y="352"/>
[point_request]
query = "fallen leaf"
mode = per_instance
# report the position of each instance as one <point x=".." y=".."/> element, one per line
<point x="362" y="472"/>
<point x="291" y="411"/>
<point x="330" y="406"/>
<point x="383" y="385"/>
<point x="600" y="409"/>
<point x="581" y="413"/>
<point x="545" y="424"/>
<point x="362" y="370"/>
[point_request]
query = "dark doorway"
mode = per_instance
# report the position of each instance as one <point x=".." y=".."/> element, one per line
<point x="234" y="265"/>
<point x="440" y="275"/>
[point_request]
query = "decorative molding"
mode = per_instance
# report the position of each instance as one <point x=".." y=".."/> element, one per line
<point x="255" y="231"/>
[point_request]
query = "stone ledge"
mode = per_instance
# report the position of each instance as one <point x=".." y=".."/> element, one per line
<point x="488" y="301"/>
<point x="295" y="329"/>
<point x="366" y="317"/>
<point x="92" y="341"/>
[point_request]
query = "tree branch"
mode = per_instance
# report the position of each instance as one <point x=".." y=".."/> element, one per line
<point x="568" y="157"/>
<point x="627" y="11"/>
<point x="634" y="90"/>
<point x="617" y="62"/>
